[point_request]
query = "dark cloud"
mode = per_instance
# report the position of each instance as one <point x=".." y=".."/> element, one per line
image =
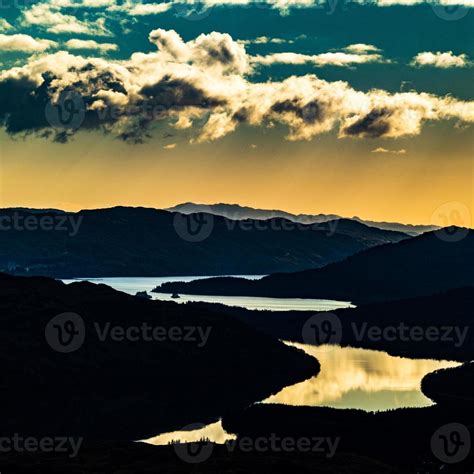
<point x="200" y="84"/>
<point x="310" y="112"/>
<point x="171" y="92"/>
<point x="22" y="104"/>
<point x="373" y="125"/>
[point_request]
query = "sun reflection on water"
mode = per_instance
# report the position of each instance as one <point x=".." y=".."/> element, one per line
<point x="361" y="378"/>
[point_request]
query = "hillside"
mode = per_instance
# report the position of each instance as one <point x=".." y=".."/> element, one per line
<point x="235" y="211"/>
<point x="419" y="266"/>
<point x="444" y="320"/>
<point x="124" y="241"/>
<point x="130" y="388"/>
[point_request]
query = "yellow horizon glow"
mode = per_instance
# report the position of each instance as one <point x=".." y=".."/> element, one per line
<point x="327" y="176"/>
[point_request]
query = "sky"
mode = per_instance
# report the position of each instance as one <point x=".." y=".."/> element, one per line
<point x="352" y="108"/>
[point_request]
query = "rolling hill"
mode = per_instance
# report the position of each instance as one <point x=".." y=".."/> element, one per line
<point x="235" y="211"/>
<point x="124" y="241"/>
<point x="132" y="387"/>
<point x="419" y="266"/>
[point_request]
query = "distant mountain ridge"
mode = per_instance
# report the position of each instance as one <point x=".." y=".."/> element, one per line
<point x="420" y="266"/>
<point x="237" y="212"/>
<point x="125" y="241"/>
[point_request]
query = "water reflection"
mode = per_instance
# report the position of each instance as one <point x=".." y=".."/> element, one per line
<point x="213" y="432"/>
<point x="349" y="378"/>
<point x="132" y="285"/>
<point x="360" y="378"/>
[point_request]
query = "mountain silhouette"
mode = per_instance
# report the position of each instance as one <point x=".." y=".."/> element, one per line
<point x="132" y="388"/>
<point x="125" y="241"/>
<point x="235" y="211"/>
<point x="420" y="266"/>
<point x="448" y="315"/>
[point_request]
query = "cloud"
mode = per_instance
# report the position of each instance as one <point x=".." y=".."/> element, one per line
<point x="213" y="50"/>
<point x="24" y="43"/>
<point x="203" y="85"/>
<point x="359" y="53"/>
<point x="402" y="151"/>
<point x="408" y="3"/>
<point x="82" y="3"/>
<point x="266" y="40"/>
<point x="90" y="44"/>
<point x="170" y="146"/>
<point x="49" y="17"/>
<point x="285" y="5"/>
<point x="61" y="16"/>
<point x="360" y="48"/>
<point x="441" y="60"/>
<point x="324" y="59"/>
<point x="141" y="9"/>
<point x="4" y="25"/>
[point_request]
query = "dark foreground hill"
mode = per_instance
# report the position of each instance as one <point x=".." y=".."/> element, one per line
<point x="125" y="390"/>
<point x="287" y="439"/>
<point x="126" y="386"/>
<point x="138" y="458"/>
<point x="416" y="440"/>
<point x="420" y="266"/>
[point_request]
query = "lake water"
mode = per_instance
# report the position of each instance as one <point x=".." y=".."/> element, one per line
<point x="213" y="432"/>
<point x="349" y="378"/>
<point x="131" y="285"/>
<point x="361" y="378"/>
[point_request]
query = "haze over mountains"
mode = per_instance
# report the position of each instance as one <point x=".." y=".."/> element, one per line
<point x="126" y="241"/>
<point x="235" y="211"/>
<point x="419" y="266"/>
